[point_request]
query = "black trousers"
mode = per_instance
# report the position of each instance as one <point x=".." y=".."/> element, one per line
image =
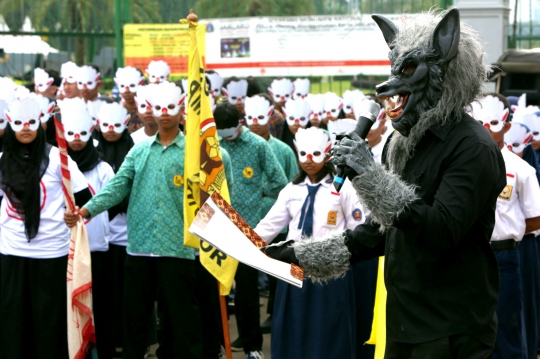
<point x="115" y="263"/>
<point x="452" y="347"/>
<point x="246" y="307"/>
<point x="101" y="289"/>
<point x="33" y="308"/>
<point x="272" y="281"/>
<point x="176" y="280"/>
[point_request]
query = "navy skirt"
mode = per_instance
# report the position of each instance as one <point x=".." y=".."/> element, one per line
<point x="317" y="321"/>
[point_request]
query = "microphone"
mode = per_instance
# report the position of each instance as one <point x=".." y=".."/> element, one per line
<point x="367" y="114"/>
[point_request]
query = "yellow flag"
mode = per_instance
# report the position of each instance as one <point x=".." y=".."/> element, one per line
<point x="378" y="329"/>
<point x="204" y="172"/>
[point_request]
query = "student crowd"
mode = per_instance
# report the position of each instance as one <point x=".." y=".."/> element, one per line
<point x="126" y="162"/>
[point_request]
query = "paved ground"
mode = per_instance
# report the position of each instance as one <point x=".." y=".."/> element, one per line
<point x="234" y="335"/>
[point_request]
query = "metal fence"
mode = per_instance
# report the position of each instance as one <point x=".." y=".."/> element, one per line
<point x="46" y="33"/>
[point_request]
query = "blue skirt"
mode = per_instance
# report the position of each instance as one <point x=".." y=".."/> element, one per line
<point x="317" y="321"/>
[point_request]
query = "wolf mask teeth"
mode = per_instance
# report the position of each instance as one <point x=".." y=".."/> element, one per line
<point x="414" y="85"/>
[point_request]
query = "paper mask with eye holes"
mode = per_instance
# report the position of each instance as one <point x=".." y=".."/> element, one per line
<point x="517" y="137"/>
<point x="301" y="88"/>
<point x="214" y="82"/>
<point x="143" y="97"/>
<point x="166" y="98"/>
<point x="235" y="91"/>
<point x="24" y="113"/>
<point x="42" y="80"/>
<point x="258" y="110"/>
<point x="46" y="106"/>
<point x="281" y="90"/>
<point x="3" y="120"/>
<point x="128" y="78"/>
<point x="87" y="78"/>
<point x="490" y="112"/>
<point x="316" y="103"/>
<point x="76" y="120"/>
<point x="113" y="117"/>
<point x="68" y="72"/>
<point x="7" y="90"/>
<point x="158" y="72"/>
<point x="332" y="105"/>
<point x="532" y="121"/>
<point x="313" y="143"/>
<point x="297" y="112"/>
<point x="349" y="97"/>
<point x="359" y="106"/>
<point x="93" y="109"/>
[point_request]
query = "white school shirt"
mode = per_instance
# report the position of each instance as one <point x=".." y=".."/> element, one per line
<point x="139" y="136"/>
<point x="377" y="150"/>
<point x="52" y="239"/>
<point x="332" y="212"/>
<point x="518" y="200"/>
<point x="98" y="226"/>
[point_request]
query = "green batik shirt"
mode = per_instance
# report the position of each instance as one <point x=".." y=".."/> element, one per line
<point x="253" y="165"/>
<point x="154" y="176"/>
<point x="289" y="163"/>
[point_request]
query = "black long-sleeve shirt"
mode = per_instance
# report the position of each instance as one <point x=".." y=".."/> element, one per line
<point x="440" y="272"/>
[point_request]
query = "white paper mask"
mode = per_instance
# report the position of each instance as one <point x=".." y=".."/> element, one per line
<point x="87" y="78"/>
<point x="297" y="112"/>
<point x="21" y="92"/>
<point x="229" y="134"/>
<point x="7" y="90"/>
<point x="281" y="90"/>
<point x="215" y="82"/>
<point x="316" y="103"/>
<point x="42" y="80"/>
<point x="128" y="78"/>
<point x="341" y="125"/>
<point x="93" y="109"/>
<point x="332" y="105"/>
<point x="258" y="110"/>
<point x="24" y="113"/>
<point x="517" y="137"/>
<point x="349" y="97"/>
<point x="143" y="98"/>
<point x="166" y="98"/>
<point x="236" y="91"/>
<point x="301" y="88"/>
<point x="46" y="106"/>
<point x="490" y="112"/>
<point x="312" y="143"/>
<point x="77" y="122"/>
<point x="359" y="106"/>
<point x="158" y="71"/>
<point x="113" y="117"/>
<point x="3" y="120"/>
<point x="69" y="71"/>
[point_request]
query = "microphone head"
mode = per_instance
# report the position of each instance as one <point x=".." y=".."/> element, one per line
<point x="367" y="108"/>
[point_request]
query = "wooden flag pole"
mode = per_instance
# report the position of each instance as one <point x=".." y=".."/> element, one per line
<point x="225" y="324"/>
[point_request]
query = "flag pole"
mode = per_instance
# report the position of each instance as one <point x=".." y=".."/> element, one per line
<point x="225" y="324"/>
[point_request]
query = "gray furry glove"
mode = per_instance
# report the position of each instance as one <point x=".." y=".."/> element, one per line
<point x="353" y="153"/>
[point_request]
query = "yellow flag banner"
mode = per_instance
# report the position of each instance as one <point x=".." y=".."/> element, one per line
<point x="378" y="329"/>
<point x="204" y="172"/>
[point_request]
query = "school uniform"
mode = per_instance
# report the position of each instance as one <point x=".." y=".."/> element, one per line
<point x="517" y="202"/>
<point x="316" y="321"/>
<point x="33" y="273"/>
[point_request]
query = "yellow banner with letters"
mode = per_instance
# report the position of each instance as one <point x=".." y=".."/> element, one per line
<point x="203" y="166"/>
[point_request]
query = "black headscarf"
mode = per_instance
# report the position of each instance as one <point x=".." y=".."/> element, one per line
<point x="21" y="169"/>
<point x="87" y="158"/>
<point x="115" y="152"/>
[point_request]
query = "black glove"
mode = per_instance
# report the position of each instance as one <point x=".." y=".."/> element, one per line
<point x="282" y="251"/>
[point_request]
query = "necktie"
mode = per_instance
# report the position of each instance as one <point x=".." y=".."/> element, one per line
<point x="306" y="218"/>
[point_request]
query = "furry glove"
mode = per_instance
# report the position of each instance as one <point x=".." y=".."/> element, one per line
<point x="353" y="153"/>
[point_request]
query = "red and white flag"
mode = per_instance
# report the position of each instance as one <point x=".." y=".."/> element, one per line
<point x="81" y="330"/>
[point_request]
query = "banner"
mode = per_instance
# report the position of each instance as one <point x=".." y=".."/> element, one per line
<point x="168" y="42"/>
<point x="204" y="172"/>
<point x="297" y="46"/>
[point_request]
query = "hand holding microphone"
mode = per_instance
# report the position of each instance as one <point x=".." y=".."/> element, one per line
<point x="352" y="154"/>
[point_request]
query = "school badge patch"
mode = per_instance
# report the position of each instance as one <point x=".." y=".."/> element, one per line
<point x="332" y="218"/>
<point x="506" y="192"/>
<point x="248" y="172"/>
<point x="357" y="214"/>
<point x="178" y="180"/>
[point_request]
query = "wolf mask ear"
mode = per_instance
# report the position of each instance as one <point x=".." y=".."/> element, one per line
<point x="388" y="29"/>
<point x="445" y="39"/>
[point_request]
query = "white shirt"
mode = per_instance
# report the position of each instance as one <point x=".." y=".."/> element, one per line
<point x="52" y="239"/>
<point x="377" y="150"/>
<point x="139" y="136"/>
<point x="332" y="212"/>
<point x="518" y="200"/>
<point x="98" y="226"/>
